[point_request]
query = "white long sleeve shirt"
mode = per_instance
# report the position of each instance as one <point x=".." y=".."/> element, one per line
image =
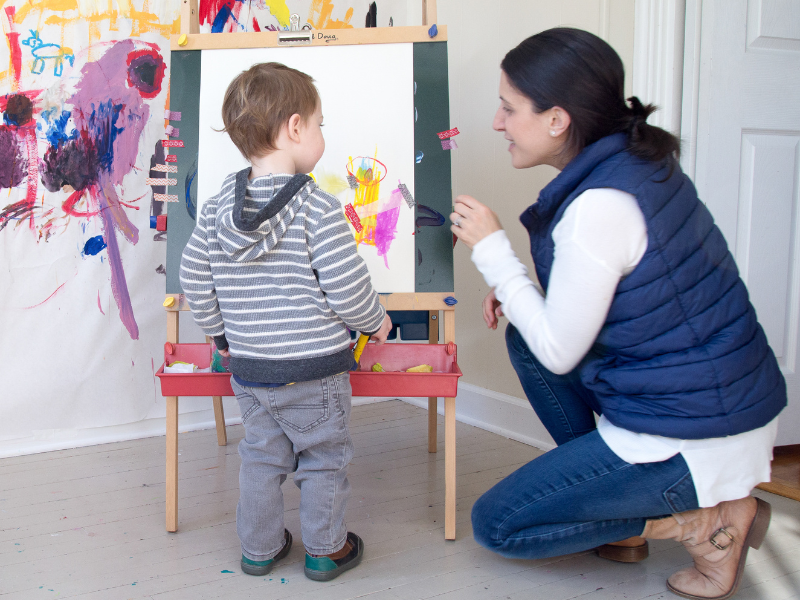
<point x="600" y="239"/>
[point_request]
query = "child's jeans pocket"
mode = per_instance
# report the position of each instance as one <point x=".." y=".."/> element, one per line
<point x="301" y="406"/>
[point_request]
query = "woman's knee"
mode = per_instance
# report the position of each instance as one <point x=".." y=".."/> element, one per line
<point x="485" y="522"/>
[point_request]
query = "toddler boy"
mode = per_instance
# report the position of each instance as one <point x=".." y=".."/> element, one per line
<point x="271" y="272"/>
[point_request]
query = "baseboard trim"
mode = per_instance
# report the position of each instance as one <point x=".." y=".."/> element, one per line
<point x="499" y="413"/>
<point x="505" y="415"/>
<point x="66" y="439"/>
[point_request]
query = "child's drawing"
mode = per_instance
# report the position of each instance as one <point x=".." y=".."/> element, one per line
<point x="378" y="215"/>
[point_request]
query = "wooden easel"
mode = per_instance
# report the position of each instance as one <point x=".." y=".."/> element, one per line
<point x="433" y="303"/>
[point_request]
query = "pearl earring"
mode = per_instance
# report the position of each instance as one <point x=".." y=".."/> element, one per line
<point x="552" y="133"/>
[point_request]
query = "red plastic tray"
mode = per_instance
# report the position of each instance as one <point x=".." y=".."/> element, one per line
<point x="395" y="359"/>
<point x="192" y="384"/>
<point x="443" y="382"/>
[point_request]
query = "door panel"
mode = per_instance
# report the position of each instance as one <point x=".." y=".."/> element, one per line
<point x="748" y="161"/>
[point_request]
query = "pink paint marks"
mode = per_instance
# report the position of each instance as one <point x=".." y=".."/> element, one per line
<point x="58" y="289"/>
<point x="100" y="306"/>
<point x="33" y="169"/>
<point x="386" y="224"/>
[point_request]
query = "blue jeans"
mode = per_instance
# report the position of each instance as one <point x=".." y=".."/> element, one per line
<point x="300" y="428"/>
<point x="579" y="495"/>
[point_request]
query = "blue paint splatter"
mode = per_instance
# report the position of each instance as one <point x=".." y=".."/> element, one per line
<point x="427" y="217"/>
<point x="57" y="126"/>
<point x="420" y="154"/>
<point x="226" y="571"/>
<point x="94" y="245"/>
<point x="283" y="580"/>
<point x="191" y="191"/>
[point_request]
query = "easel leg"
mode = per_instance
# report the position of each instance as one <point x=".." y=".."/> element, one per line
<point x="219" y="417"/>
<point x="449" y="468"/>
<point x="433" y="337"/>
<point x="172" y="463"/>
<point x="173" y="335"/>
<point x="449" y="443"/>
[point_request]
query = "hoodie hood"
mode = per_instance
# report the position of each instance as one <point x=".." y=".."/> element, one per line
<point x="252" y="220"/>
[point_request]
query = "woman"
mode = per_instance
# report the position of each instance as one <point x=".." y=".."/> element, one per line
<point x="642" y="319"/>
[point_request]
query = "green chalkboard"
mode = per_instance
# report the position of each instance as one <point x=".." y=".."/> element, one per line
<point x="432" y="181"/>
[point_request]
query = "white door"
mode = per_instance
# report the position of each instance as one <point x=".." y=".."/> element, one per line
<point x="747" y="166"/>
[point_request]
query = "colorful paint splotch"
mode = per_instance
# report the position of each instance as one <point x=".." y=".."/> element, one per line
<point x="108" y="115"/>
<point x="378" y="217"/>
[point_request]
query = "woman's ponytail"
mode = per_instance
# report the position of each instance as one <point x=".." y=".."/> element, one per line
<point x="647" y="141"/>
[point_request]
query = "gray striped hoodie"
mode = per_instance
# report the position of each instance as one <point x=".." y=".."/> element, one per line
<point x="272" y="272"/>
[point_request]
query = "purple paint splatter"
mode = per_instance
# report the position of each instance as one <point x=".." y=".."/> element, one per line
<point x="386" y="225"/>
<point x="12" y="163"/>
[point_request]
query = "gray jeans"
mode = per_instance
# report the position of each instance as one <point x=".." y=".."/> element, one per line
<point x="303" y="428"/>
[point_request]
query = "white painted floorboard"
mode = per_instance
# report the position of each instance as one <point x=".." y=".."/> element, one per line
<point x="89" y="523"/>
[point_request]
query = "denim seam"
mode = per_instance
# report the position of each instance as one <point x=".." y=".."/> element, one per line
<point x="677" y="509"/>
<point x="553" y="396"/>
<point x="250" y="410"/>
<point x="540" y="498"/>
<point x="326" y="394"/>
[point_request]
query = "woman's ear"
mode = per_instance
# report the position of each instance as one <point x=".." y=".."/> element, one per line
<point x="558" y="121"/>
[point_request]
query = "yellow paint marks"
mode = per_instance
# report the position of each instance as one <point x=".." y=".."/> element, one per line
<point x="369" y="173"/>
<point x="42" y="5"/>
<point x="68" y="12"/>
<point x="319" y="15"/>
<point x="331" y="183"/>
<point x="280" y="11"/>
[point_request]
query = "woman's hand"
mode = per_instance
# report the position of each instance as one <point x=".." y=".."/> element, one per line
<point x="491" y="310"/>
<point x="473" y="221"/>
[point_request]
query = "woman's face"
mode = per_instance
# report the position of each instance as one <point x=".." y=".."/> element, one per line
<point x="529" y="132"/>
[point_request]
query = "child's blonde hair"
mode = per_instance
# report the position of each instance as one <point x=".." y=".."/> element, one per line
<point x="261" y="100"/>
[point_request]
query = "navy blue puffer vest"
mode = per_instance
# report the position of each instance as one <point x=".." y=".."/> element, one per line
<point x="681" y="353"/>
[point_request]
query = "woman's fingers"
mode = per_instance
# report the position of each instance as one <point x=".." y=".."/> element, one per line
<point x="490" y="308"/>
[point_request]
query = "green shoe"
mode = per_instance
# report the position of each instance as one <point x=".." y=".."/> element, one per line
<point x="262" y="567"/>
<point x="322" y="568"/>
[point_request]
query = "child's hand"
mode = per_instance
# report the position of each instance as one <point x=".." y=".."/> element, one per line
<point x="226" y="353"/>
<point x="381" y="335"/>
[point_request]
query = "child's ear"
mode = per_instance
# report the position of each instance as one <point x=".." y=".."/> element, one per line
<point x="294" y="126"/>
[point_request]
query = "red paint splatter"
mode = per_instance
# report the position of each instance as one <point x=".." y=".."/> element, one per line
<point x="13" y="45"/>
<point x="58" y="289"/>
<point x="144" y="65"/>
<point x="69" y="205"/>
<point x="255" y="25"/>
<point x="98" y="303"/>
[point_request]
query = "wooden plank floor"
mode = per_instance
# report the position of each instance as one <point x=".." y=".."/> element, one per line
<point x="89" y="523"/>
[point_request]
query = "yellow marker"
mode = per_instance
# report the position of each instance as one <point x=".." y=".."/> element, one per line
<point x="169" y="302"/>
<point x="420" y="369"/>
<point x="378" y="368"/>
<point x="362" y="341"/>
<point x="183" y="40"/>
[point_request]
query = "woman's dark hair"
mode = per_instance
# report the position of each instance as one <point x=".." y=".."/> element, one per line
<point x="582" y="74"/>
